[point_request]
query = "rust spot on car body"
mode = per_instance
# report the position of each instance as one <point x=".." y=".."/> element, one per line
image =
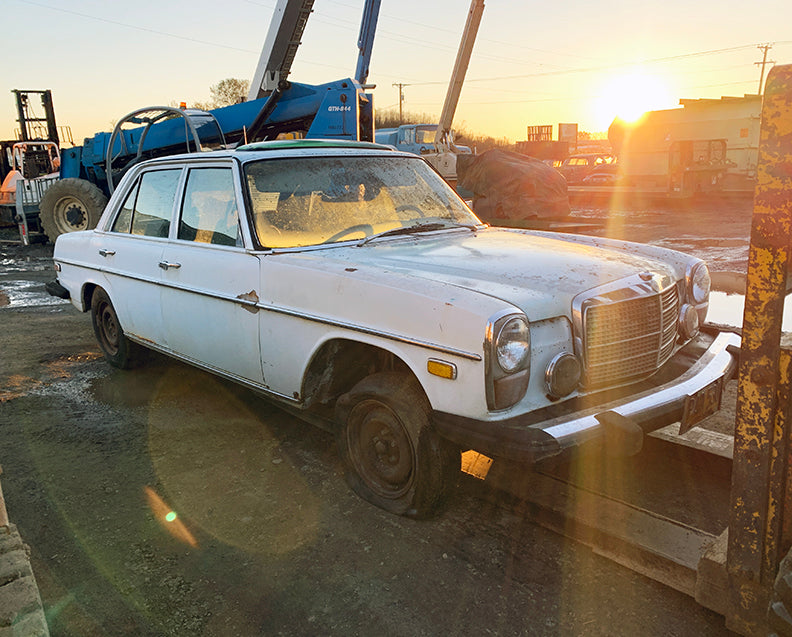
<point x="251" y="300"/>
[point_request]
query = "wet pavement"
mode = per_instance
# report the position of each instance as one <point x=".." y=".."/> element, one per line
<point x="163" y="501"/>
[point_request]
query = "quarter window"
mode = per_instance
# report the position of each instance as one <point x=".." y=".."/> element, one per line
<point x="209" y="212"/>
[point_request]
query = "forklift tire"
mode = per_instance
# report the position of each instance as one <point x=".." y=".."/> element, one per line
<point x="70" y="205"/>
<point x="779" y="615"/>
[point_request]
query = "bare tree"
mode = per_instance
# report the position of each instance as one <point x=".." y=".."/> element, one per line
<point x="229" y="91"/>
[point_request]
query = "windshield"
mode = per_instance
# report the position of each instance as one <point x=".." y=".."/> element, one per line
<point x="312" y="200"/>
<point x="425" y="134"/>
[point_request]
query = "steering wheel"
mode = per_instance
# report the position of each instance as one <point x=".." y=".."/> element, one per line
<point x="409" y="206"/>
<point x="365" y="228"/>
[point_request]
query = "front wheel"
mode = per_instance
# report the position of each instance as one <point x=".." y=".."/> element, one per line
<point x="117" y="348"/>
<point x="393" y="457"/>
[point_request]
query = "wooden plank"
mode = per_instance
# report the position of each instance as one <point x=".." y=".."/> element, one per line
<point x="655" y="546"/>
<point x="705" y="440"/>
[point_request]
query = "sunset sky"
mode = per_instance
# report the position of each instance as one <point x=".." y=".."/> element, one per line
<point x="533" y="63"/>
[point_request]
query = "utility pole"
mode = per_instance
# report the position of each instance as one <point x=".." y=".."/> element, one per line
<point x="763" y="63"/>
<point x="401" y="101"/>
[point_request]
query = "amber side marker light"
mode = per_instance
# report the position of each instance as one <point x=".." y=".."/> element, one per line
<point x="441" y="369"/>
<point x="476" y="464"/>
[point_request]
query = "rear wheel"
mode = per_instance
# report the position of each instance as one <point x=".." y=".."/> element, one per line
<point x="116" y="347"/>
<point x="70" y="205"/>
<point x="393" y="457"/>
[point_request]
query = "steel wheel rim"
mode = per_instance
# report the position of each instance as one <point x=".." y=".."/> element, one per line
<point x="380" y="449"/>
<point x="70" y="214"/>
<point x="108" y="328"/>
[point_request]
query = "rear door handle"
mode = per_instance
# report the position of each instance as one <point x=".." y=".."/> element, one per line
<point x="106" y="253"/>
<point x="166" y="265"/>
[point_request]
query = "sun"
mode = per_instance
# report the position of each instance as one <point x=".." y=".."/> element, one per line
<point x="631" y="95"/>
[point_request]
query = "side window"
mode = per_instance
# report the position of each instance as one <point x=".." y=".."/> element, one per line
<point x="123" y="222"/>
<point x="209" y="212"/>
<point x="148" y="207"/>
<point x="154" y="204"/>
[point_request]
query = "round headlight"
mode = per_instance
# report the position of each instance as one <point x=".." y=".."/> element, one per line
<point x="513" y="345"/>
<point x="562" y="375"/>
<point x="700" y="283"/>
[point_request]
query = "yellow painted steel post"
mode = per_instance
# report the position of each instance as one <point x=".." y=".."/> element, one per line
<point x="759" y="502"/>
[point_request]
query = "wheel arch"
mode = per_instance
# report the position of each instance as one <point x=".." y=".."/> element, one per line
<point x="86" y="294"/>
<point x="340" y="363"/>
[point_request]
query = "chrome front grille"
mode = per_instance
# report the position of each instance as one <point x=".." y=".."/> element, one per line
<point x="628" y="334"/>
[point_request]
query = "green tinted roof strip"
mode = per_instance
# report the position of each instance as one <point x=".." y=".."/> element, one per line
<point x="282" y="144"/>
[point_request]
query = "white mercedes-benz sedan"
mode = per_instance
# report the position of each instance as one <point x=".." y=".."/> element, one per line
<point x="350" y="283"/>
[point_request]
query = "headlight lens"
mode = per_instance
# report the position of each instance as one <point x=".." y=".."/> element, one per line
<point x="700" y="283"/>
<point x="513" y="345"/>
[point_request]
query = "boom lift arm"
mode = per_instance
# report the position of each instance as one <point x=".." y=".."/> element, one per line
<point x="460" y="69"/>
<point x="368" y="27"/>
<point x="280" y="46"/>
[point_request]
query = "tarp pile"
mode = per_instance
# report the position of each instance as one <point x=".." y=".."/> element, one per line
<point x="508" y="185"/>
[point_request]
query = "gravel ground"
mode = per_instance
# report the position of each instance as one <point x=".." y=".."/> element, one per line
<point x="163" y="501"/>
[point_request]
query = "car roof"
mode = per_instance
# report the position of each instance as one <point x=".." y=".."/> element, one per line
<point x="286" y="148"/>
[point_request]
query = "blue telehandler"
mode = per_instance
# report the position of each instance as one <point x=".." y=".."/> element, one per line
<point x="337" y="110"/>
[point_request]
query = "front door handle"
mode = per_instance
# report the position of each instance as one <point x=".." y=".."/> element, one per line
<point x="106" y="253"/>
<point x="166" y="265"/>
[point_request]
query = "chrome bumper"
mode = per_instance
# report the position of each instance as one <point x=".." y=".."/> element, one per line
<point x="717" y="362"/>
<point x="622" y="421"/>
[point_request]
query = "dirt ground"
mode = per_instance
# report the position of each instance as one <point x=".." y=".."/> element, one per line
<point x="163" y="501"/>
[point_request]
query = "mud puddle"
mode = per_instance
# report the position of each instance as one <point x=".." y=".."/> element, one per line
<point x="26" y="294"/>
<point x="727" y="309"/>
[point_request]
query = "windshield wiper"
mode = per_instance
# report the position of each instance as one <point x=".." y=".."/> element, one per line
<point x="421" y="227"/>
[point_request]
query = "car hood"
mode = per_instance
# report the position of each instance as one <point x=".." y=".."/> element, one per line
<point x="538" y="272"/>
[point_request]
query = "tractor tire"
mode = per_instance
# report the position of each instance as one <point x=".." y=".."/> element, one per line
<point x="393" y="457"/>
<point x="70" y="205"/>
<point x="779" y="615"/>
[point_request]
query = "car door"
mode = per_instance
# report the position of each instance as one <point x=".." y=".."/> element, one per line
<point x="210" y="282"/>
<point x="131" y="249"/>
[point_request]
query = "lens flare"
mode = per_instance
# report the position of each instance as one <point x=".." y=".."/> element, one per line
<point x="168" y="518"/>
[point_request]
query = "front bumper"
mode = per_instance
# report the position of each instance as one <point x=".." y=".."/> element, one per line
<point x="521" y="438"/>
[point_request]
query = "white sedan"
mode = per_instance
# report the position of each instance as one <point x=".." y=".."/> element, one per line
<point x="348" y="282"/>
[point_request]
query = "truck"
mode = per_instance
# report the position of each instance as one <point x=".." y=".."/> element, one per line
<point x="435" y="142"/>
<point x="339" y="110"/>
<point x="422" y="139"/>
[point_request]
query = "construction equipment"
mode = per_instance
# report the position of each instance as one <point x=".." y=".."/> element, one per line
<point x="33" y="156"/>
<point x="435" y="142"/>
<point x="336" y="110"/>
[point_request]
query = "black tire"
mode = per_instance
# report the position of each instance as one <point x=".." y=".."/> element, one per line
<point x="117" y="348"/>
<point x="70" y="205"/>
<point x="779" y="615"/>
<point x="392" y="456"/>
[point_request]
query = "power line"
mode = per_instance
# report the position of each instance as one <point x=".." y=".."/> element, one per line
<point x="601" y="68"/>
<point x="577" y="98"/>
<point x="137" y="28"/>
